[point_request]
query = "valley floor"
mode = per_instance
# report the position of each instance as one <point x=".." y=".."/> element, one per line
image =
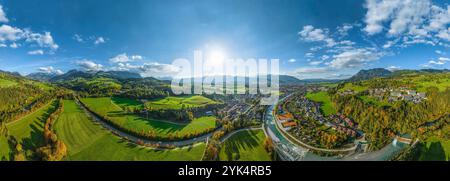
<point x="87" y="140"/>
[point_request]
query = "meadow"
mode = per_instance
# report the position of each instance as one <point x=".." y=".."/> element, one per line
<point x="353" y="87"/>
<point x="435" y="149"/>
<point x="178" y="102"/>
<point x="87" y="140"/>
<point x="6" y="83"/>
<point x="244" y="146"/>
<point x="326" y="106"/>
<point x="163" y="128"/>
<point x="28" y="131"/>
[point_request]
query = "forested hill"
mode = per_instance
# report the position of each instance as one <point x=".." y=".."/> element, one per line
<point x="19" y="95"/>
<point x="73" y="74"/>
<point x="381" y="72"/>
<point x="371" y="73"/>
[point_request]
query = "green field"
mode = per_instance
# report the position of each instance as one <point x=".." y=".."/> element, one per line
<point x="327" y="107"/>
<point x="87" y="140"/>
<point x="351" y="86"/>
<point x="104" y="106"/>
<point x="244" y="146"/>
<point x="435" y="149"/>
<point x="441" y="85"/>
<point x="127" y="102"/>
<point x="28" y="131"/>
<point x="6" y="83"/>
<point x="178" y="102"/>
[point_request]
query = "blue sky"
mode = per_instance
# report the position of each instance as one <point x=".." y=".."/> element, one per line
<point x="312" y="39"/>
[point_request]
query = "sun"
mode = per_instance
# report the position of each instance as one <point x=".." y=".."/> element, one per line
<point x="216" y="58"/>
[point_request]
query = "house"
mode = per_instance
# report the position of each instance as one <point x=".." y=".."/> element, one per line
<point x="285" y="117"/>
<point x="396" y="94"/>
<point x="209" y="113"/>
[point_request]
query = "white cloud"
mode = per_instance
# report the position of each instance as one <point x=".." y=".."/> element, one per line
<point x="292" y="60"/>
<point x="78" y="38"/>
<point x="444" y="59"/>
<point x="153" y="69"/>
<point x="36" y="52"/>
<point x="310" y="34"/>
<point x="444" y="34"/>
<point x="440" y="18"/>
<point x="377" y="13"/>
<point x="14" y="45"/>
<point x="136" y="57"/>
<point x="2" y="45"/>
<point x="9" y="33"/>
<point x="50" y="70"/>
<point x="99" y="40"/>
<point x="157" y="69"/>
<point x="440" y="52"/>
<point x="90" y="65"/>
<point x="389" y="44"/>
<point x="43" y="40"/>
<point x="13" y="34"/>
<point x="354" y="58"/>
<point x="343" y="30"/>
<point x="123" y="58"/>
<point x="325" y="57"/>
<point x="312" y="70"/>
<point x="439" y="62"/>
<point x="393" y="68"/>
<point x="3" y="18"/>
<point x="419" y="21"/>
<point x="309" y="55"/>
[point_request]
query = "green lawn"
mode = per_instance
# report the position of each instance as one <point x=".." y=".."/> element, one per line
<point x="441" y="84"/>
<point x="127" y="102"/>
<point x="244" y="146"/>
<point x="87" y="140"/>
<point x="435" y="149"/>
<point x="28" y="131"/>
<point x="327" y="107"/>
<point x="7" y="83"/>
<point x="104" y="106"/>
<point x="373" y="101"/>
<point x="178" y="102"/>
<point x="351" y="86"/>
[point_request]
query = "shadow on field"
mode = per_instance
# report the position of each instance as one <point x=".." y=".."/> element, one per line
<point x="36" y="139"/>
<point x="244" y="140"/>
<point x="435" y="152"/>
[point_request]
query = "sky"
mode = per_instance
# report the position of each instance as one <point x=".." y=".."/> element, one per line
<point x="312" y="39"/>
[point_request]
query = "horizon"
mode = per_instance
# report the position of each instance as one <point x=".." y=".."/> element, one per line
<point x="312" y="40"/>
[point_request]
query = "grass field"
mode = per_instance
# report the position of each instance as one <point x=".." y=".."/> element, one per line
<point x="435" y="149"/>
<point x="104" y="106"/>
<point x="244" y="146"/>
<point x="6" y="83"/>
<point x="351" y="86"/>
<point x="127" y="102"/>
<point x="87" y="140"/>
<point x="28" y="131"/>
<point x="441" y="85"/>
<point x="323" y="97"/>
<point x="178" y="102"/>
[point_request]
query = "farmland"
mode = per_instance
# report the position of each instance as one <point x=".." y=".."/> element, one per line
<point x="327" y="107"/>
<point x="85" y="138"/>
<point x="163" y="128"/>
<point x="28" y="131"/>
<point x="244" y="146"/>
<point x="179" y="102"/>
